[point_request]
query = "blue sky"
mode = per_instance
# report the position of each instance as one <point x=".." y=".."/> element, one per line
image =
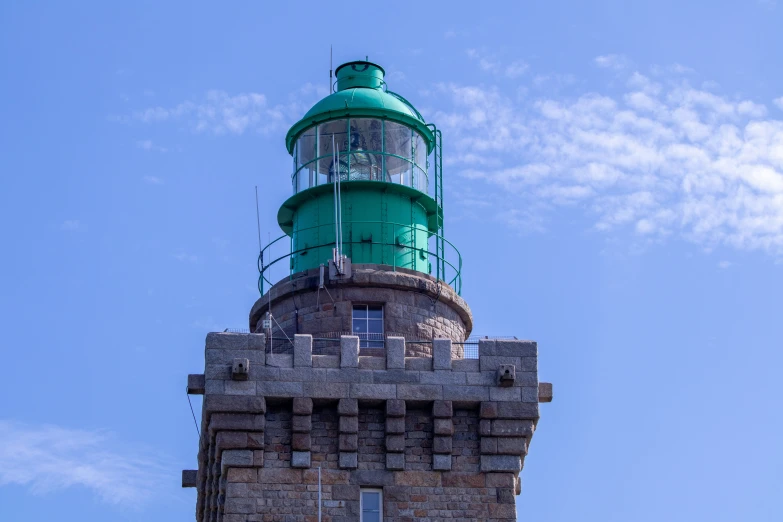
<point x="613" y="177"/>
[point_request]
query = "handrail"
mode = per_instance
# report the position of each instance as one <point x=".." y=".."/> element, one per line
<point x="455" y="282"/>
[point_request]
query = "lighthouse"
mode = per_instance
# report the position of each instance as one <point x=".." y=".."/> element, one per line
<point x="358" y="393"/>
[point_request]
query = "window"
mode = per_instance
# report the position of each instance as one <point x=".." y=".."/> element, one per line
<point x="368" y="325"/>
<point x="371" y="505"/>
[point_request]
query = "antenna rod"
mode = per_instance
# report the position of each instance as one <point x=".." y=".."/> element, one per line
<point x="335" y="169"/>
<point x="258" y="221"/>
<point x="330" y="69"/>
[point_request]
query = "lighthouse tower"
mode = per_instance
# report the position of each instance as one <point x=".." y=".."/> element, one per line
<point x="358" y="394"/>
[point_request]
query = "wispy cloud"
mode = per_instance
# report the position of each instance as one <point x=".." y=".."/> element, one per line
<point x="153" y="180"/>
<point x="184" y="257"/>
<point x="149" y="146"/>
<point x="493" y="65"/>
<point x="50" y="458"/>
<point x="656" y="158"/>
<point x="612" y="61"/>
<point x="724" y="264"/>
<point x="778" y="103"/>
<point x="70" y="225"/>
<point x="219" y="112"/>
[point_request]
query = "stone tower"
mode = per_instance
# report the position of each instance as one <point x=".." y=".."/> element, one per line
<point x="358" y="394"/>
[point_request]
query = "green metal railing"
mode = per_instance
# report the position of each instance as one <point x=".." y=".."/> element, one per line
<point x="453" y="279"/>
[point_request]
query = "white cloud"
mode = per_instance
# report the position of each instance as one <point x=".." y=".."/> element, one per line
<point x="516" y="69"/>
<point x="70" y="225"/>
<point x="657" y="159"/>
<point x="50" y="458"/>
<point x="153" y="180"/>
<point x="185" y="257"/>
<point x="724" y="264"/>
<point x="778" y="102"/>
<point x="492" y="65"/>
<point x="219" y="112"/>
<point x="149" y="146"/>
<point x="612" y="61"/>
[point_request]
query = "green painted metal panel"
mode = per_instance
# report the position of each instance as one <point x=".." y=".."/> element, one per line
<point x="381" y="227"/>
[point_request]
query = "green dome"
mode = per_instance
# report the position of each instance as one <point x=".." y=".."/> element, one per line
<point x="361" y="102"/>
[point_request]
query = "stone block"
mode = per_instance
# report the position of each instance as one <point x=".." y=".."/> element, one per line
<point x="465" y="365"/>
<point x="442" y="444"/>
<point x="226" y="341"/>
<point x="500" y="480"/>
<point x="242" y="475"/>
<point x="279" y="476"/>
<point x="236" y="458"/>
<point x="512" y="446"/>
<point x="421" y="364"/>
<point x="236" y="421"/>
<point x="512" y="428"/>
<point x="214" y="387"/>
<point x="544" y="391"/>
<point x="349" y="351"/>
<point x="302" y="424"/>
<point x="348" y="407"/>
<point x="505" y="496"/>
<point x="395" y="408"/>
<point x="234" y="403"/>
<point x="257" y="342"/>
<point x="488" y="410"/>
<point x="502" y="511"/>
<point x="349" y="424"/>
<point x="196" y="384"/>
<point x="348" y="460"/>
<point x="303" y="406"/>
<point x="345" y="492"/>
<point x="395" y="461"/>
<point x="443" y="377"/>
<point x="240" y="369"/>
<point x="348" y="442"/>
<point x="230" y="440"/>
<point x="512" y="463"/>
<point x="419" y="392"/>
<point x="301" y="442"/>
<point x="489" y="445"/>
<point x="464" y="480"/>
<point x="441" y="462"/>
<point x="441" y="354"/>
<point x="303" y="351"/>
<point x="508" y="348"/>
<point x="243" y="506"/>
<point x="517" y="410"/>
<point x="443" y="427"/>
<point x="326" y="361"/>
<point x="372" y="477"/>
<point x="395" y="353"/>
<point x="485" y="427"/>
<point x="239" y="387"/>
<point x="326" y="390"/>
<point x="505" y="394"/>
<point x="418" y="479"/>
<point x="279" y="389"/>
<point x="300" y="459"/>
<point x="395" y="425"/>
<point x="442" y="409"/>
<point x="521" y="364"/>
<point x="465" y="393"/>
<point x="507" y="373"/>
<point x="395" y="443"/>
<point x="280" y="360"/>
<point x="373" y="391"/>
<point x="518" y="485"/>
<point x="368" y="362"/>
<point x="189" y="478"/>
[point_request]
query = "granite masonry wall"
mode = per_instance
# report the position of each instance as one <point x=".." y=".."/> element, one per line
<point x="415" y="306"/>
<point x="444" y="438"/>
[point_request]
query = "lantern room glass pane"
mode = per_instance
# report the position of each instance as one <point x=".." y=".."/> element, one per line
<point x="420" y="151"/>
<point x="365" y="147"/>
<point x="305" y="147"/>
<point x="398" y="140"/>
<point x="326" y="131"/>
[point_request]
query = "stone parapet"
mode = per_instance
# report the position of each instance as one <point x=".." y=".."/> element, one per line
<point x="429" y="430"/>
